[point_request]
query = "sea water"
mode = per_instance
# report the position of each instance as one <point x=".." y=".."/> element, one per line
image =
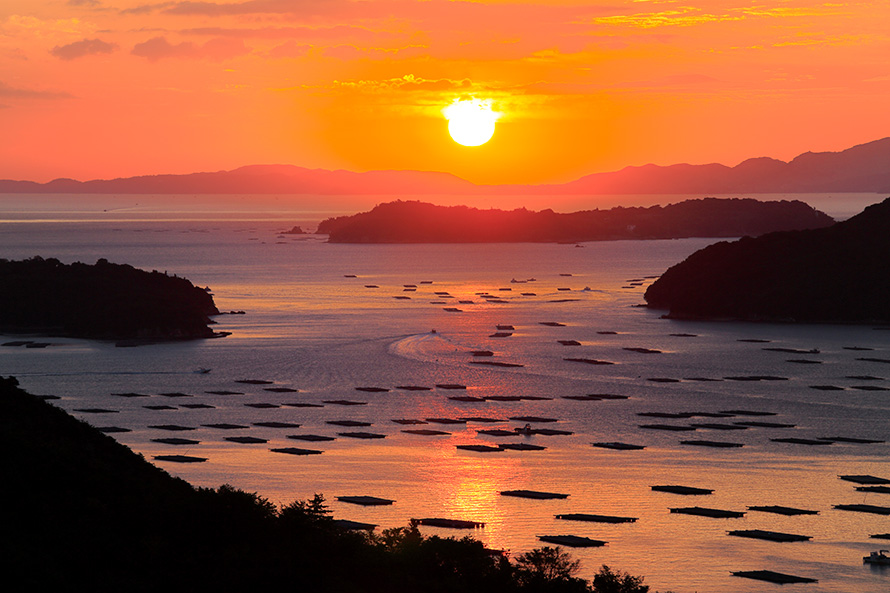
<point x="309" y="325"/>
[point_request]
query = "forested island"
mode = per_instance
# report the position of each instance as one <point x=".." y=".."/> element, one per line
<point x="102" y="301"/>
<point x="81" y="511"/>
<point x="838" y="274"/>
<point x="420" y="222"/>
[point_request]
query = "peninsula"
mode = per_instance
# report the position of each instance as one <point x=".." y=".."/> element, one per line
<point x="102" y="301"/>
<point x="838" y="274"/>
<point x="419" y="222"/>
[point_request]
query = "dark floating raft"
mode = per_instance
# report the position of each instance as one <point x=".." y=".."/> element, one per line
<point x="344" y="402"/>
<point x="409" y="421"/>
<point x="669" y="427"/>
<point x="865" y="479"/>
<point x="880" y="536"/>
<point x="552" y="323"/>
<point x="569" y="342"/>
<point x="780" y="510"/>
<point x="772" y="577"/>
<point x="277" y="424"/>
<point x="372" y="389"/>
<point x="180" y="458"/>
<point x="480" y="448"/>
<point x="533" y="494"/>
<point x="198" y="406"/>
<point x="450" y="523"/>
<point x="315" y="438"/>
<point x="748" y="413"/>
<point x="497" y="363"/>
<point x="497" y="432"/>
<point x="773" y="536"/>
<point x="532" y="419"/>
<point x="176" y="441"/>
<point x="362" y="435"/>
<point x="296" y="451"/>
<point x="521" y="447"/>
<point x="573" y="541"/>
<point x="413" y="388"/>
<point x="798" y="441"/>
<point x="588" y="361"/>
<point x="95" y="411"/>
<point x="450" y="386"/>
<point x="246" y="440"/>
<point x="674" y="415"/>
<point x="254" y="381"/>
<point x="446" y="421"/>
<point x="878" y="489"/>
<point x="719" y="426"/>
<point x="714" y="444"/>
<point x="262" y="406"/>
<point x="349" y="423"/>
<point x="761" y="424"/>
<point x="225" y="392"/>
<point x="281" y="389"/>
<point x="225" y="426"/>
<point x="426" y="432"/>
<point x="618" y="446"/>
<point x="687" y="490"/>
<point x="595" y="518"/>
<point x="159" y="407"/>
<point x="549" y="432"/>
<point x="171" y="427"/>
<point x="365" y="500"/>
<point x="704" y="512"/>
<point x="642" y="350"/>
<point x="864" y="508"/>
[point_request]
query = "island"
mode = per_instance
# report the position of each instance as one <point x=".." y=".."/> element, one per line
<point x="420" y="222"/>
<point x="101" y="301"/>
<point x="838" y="274"/>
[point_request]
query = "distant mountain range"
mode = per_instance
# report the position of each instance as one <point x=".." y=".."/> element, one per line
<point x="862" y="168"/>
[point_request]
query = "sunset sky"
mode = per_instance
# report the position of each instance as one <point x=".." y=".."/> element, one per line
<point x="112" y="88"/>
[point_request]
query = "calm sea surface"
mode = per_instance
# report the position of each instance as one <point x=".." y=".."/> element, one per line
<point x="310" y="328"/>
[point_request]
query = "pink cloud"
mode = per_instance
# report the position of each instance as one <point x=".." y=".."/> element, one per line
<point x="85" y="47"/>
<point x="218" y="49"/>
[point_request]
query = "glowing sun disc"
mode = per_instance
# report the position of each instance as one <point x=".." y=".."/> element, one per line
<point x="470" y="122"/>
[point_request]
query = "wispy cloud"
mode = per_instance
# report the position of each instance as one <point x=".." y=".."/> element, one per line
<point x="158" y="48"/>
<point x="84" y="47"/>
<point x="11" y="92"/>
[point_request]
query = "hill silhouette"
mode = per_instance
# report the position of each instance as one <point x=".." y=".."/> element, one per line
<point x="838" y="274"/>
<point x="862" y="168"/>
<point x="419" y="222"/>
<point x="103" y="301"/>
<point x="80" y="511"/>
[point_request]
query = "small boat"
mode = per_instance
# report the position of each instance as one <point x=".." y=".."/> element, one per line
<point x="202" y="371"/>
<point x="879" y="557"/>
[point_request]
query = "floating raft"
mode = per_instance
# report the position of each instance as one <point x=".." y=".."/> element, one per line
<point x="851" y="440"/>
<point x="748" y="413"/>
<point x="880" y="536"/>
<point x="864" y="508"/>
<point x="497" y="432"/>
<point x="595" y="518"/>
<point x="351" y="423"/>
<point x="619" y="446"/>
<point x="715" y="444"/>
<point x="642" y="350"/>
<point x="713" y="513"/>
<point x="198" y="406"/>
<point x="130" y="394"/>
<point x="466" y="398"/>
<point x="532" y="419"/>
<point x="772" y="577"/>
<point x="372" y="389"/>
<point x="869" y="480"/>
<point x="281" y="389"/>
<point x="569" y="342"/>
<point x="254" y="381"/>
<point x="226" y="426"/>
<point x="773" y="536"/>
<point x="480" y="448"/>
<point x="225" y="392"/>
<point x="670" y="427"/>
<point x="176" y="441"/>
<point x="262" y="406"/>
<point x="450" y="386"/>
<point x="344" y="402"/>
<point x="246" y="440"/>
<point x="96" y="411"/>
<point x="296" y="451"/>
<point x="797" y="441"/>
<point x="673" y="415"/>
<point x="445" y="421"/>
<point x="719" y="426"/>
<point x="482" y="419"/>
<point x="277" y="424"/>
<point x="588" y="360"/>
<point x="687" y="490"/>
<point x="180" y="458"/>
<point x="450" y="523"/>
<point x="159" y="407"/>
<point x="348" y="525"/>
<point x="497" y="363"/>
<point x="879" y="489"/>
<point x="551" y="432"/>
<point x="573" y="541"/>
<point x="368" y="501"/>
<point x="409" y="421"/>
<point x="533" y="494"/>
<point x="780" y="510"/>
<point x="413" y="388"/>
<point x="362" y="435"/>
<point x="310" y="437"/>
<point x="426" y="432"/>
<point x="521" y="447"/>
<point x="762" y="424"/>
<point x="171" y="427"/>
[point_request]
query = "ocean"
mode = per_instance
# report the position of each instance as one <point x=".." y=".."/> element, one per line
<point x="321" y="320"/>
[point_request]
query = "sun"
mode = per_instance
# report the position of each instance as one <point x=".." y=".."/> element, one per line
<point x="471" y="121"/>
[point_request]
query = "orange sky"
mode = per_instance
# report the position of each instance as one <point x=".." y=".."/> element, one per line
<point x="112" y="88"/>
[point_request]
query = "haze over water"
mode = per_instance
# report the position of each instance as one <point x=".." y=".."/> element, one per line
<point x="310" y="328"/>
